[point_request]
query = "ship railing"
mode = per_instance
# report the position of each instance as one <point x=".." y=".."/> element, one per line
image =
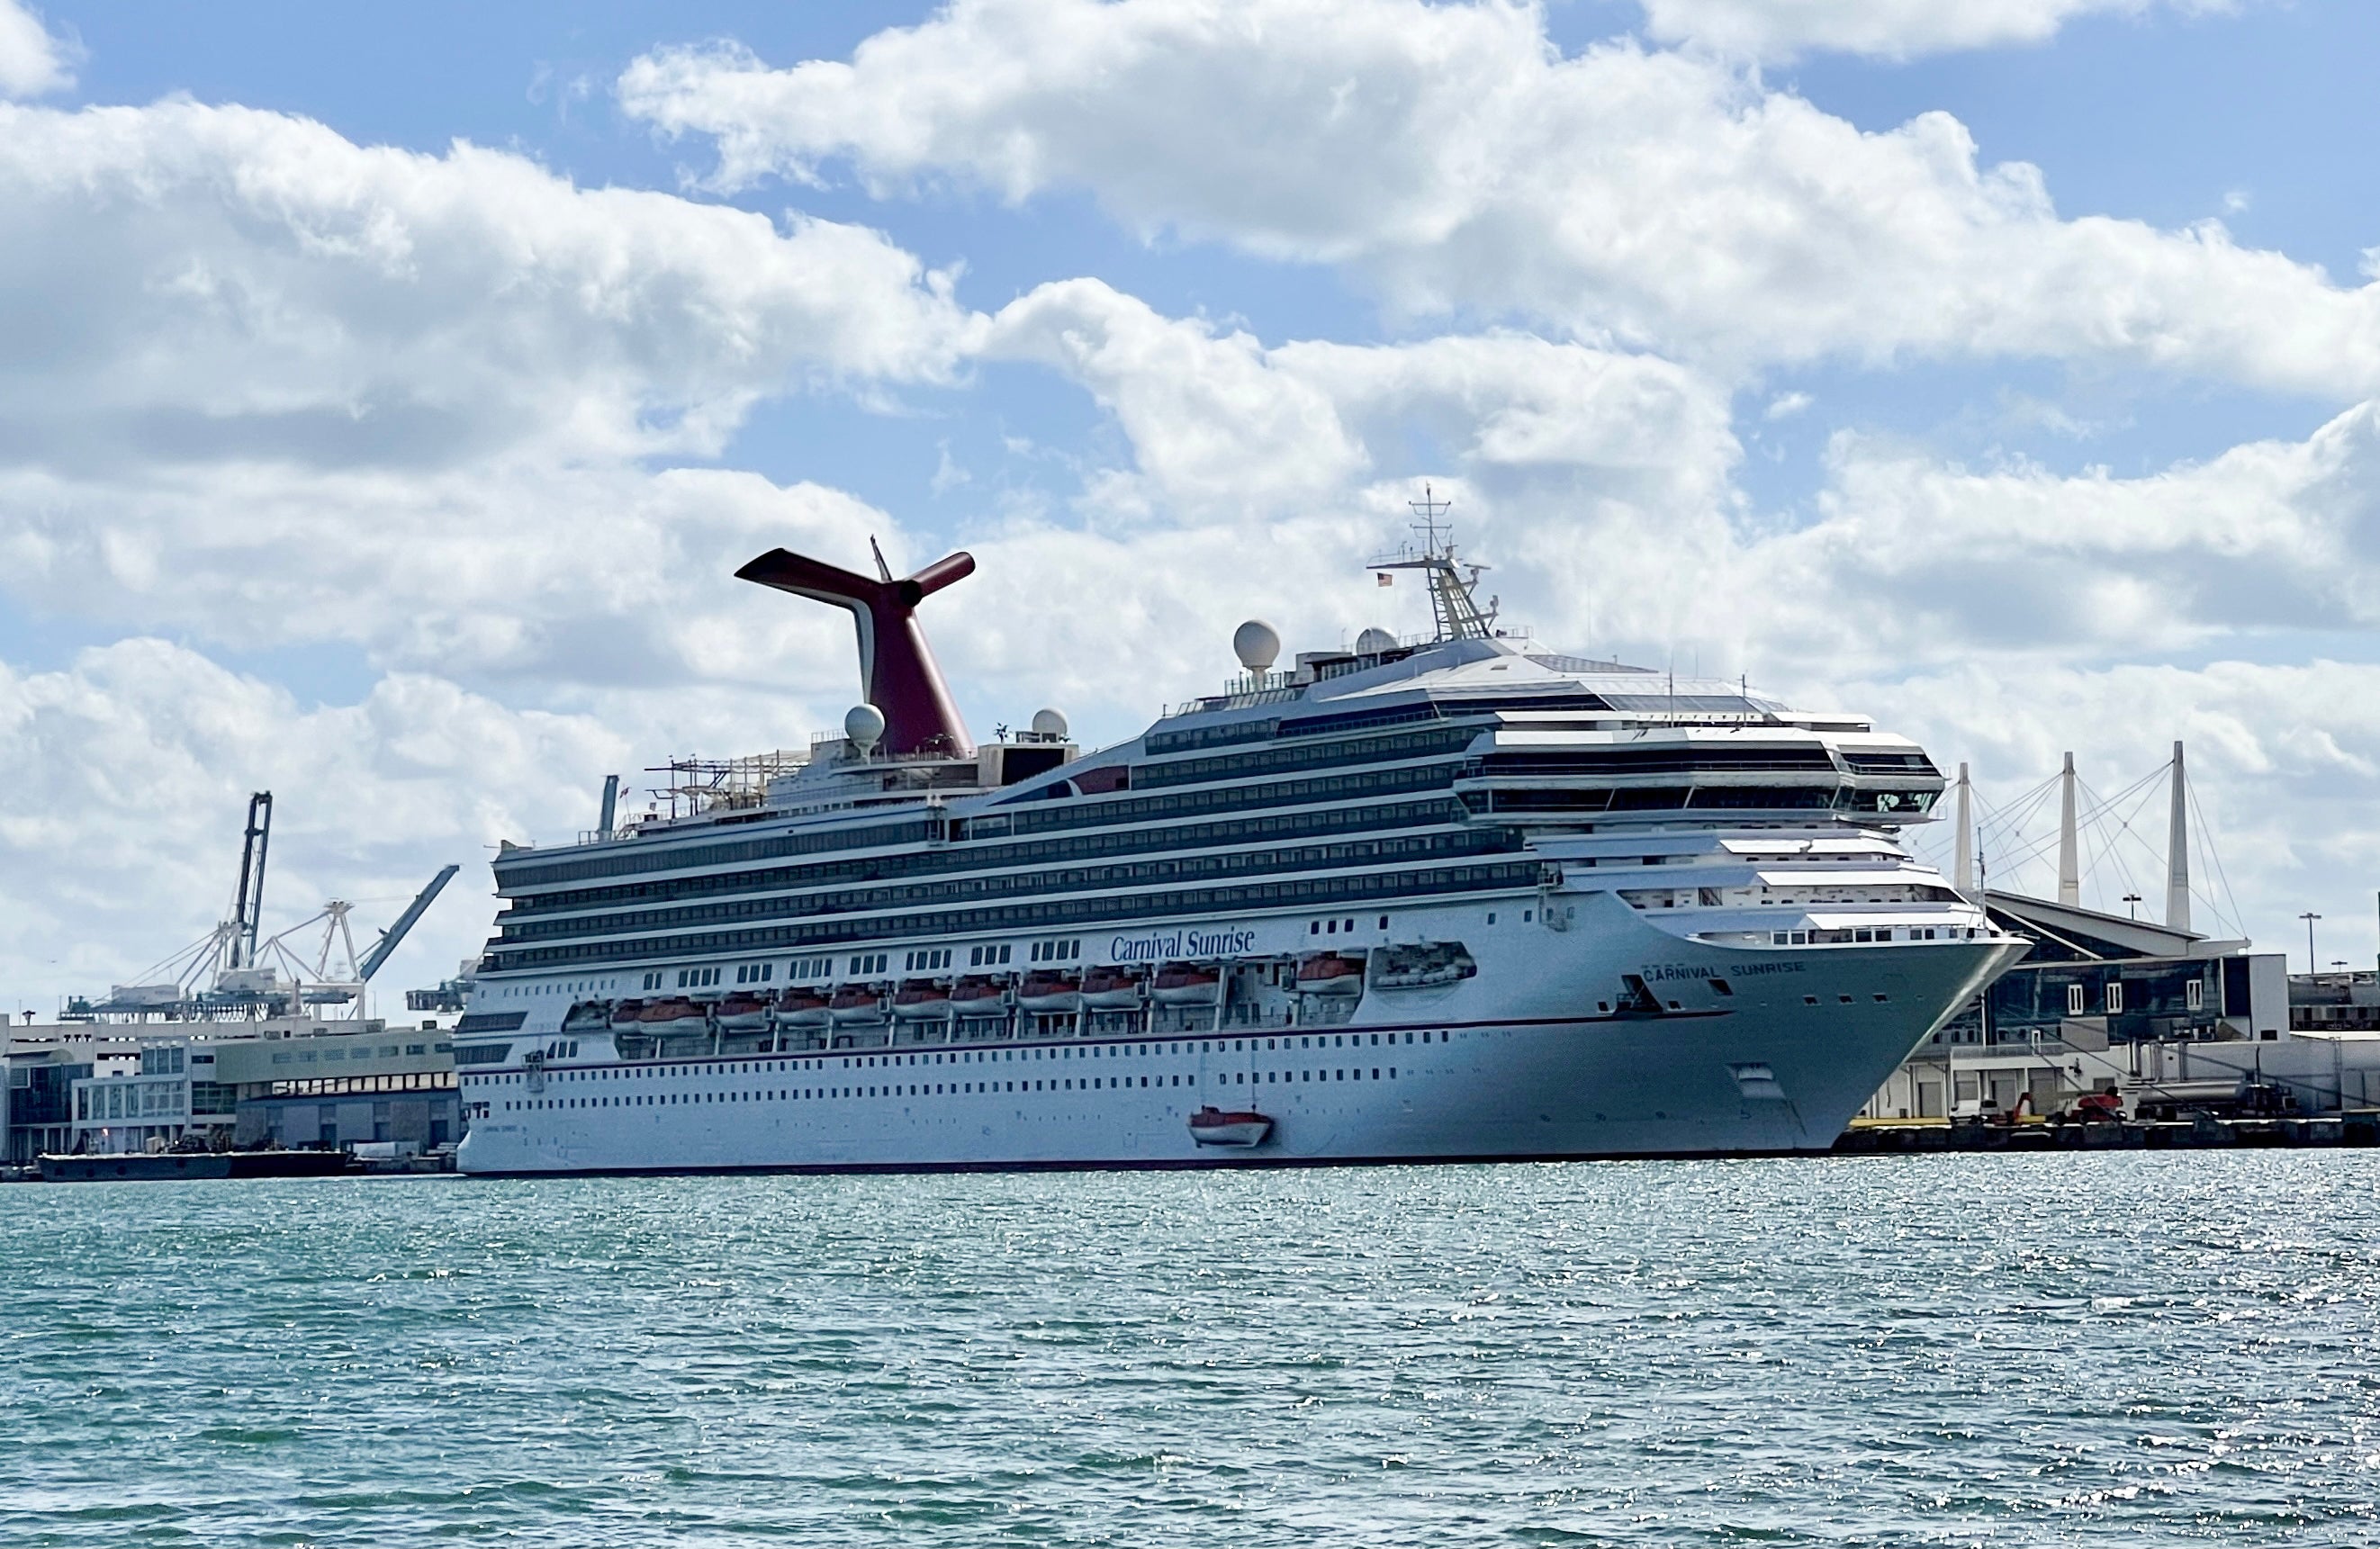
<point x="1239" y="695"/>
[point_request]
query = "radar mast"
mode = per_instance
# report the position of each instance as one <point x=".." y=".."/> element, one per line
<point x="1454" y="609"/>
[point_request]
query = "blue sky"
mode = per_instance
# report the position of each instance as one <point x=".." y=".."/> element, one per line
<point x="2012" y="385"/>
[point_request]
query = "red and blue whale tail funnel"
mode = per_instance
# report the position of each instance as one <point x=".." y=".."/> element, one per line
<point x="896" y="667"/>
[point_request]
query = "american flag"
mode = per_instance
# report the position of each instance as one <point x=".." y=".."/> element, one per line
<point x="1387" y="579"/>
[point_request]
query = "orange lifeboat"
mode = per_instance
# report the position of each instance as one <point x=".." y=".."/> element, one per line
<point x="742" y="1013"/>
<point x="1329" y="973"/>
<point x="587" y="1016"/>
<point x="624" y="1014"/>
<point x="1245" y="1127"/>
<point x="856" y="1003"/>
<point x="1110" y="989"/>
<point x="1050" y="992"/>
<point x="1188" y="984"/>
<point x="976" y="994"/>
<point x="680" y="1016"/>
<point x="801" y="1007"/>
<point x="920" y="999"/>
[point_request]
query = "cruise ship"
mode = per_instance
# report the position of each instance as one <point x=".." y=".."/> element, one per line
<point x="1448" y="898"/>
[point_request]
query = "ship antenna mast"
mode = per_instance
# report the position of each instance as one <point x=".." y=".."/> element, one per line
<point x="1453" y="606"/>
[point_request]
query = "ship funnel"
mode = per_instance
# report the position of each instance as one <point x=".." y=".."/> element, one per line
<point x="896" y="667"/>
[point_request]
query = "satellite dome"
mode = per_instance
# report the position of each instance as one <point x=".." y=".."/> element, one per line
<point x="1050" y="725"/>
<point x="1375" y="641"/>
<point x="864" y="724"/>
<point x="1258" y="645"/>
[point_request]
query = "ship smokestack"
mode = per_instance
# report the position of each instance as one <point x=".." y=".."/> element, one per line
<point x="896" y="667"/>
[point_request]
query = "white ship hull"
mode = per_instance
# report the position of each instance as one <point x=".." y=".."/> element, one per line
<point x="1462" y="899"/>
<point x="1517" y="1062"/>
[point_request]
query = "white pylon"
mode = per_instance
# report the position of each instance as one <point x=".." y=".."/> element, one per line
<point x="1963" y="872"/>
<point x="2177" y="852"/>
<point x="2069" y="865"/>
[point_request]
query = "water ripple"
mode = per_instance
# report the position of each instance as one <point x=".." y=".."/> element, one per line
<point x="1888" y="1351"/>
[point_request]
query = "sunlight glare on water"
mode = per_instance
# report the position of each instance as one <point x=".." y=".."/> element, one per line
<point x="1944" y="1349"/>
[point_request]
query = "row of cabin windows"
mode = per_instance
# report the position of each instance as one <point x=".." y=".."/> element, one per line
<point x="1156" y="1050"/>
<point x="1058" y="951"/>
<point x="864" y="963"/>
<point x="925" y="960"/>
<point x="985" y="957"/>
<point x="697" y="978"/>
<point x="1132" y="813"/>
<point x="1305" y="755"/>
<point x="754" y="973"/>
<point x="1869" y="933"/>
<point x="504" y="958"/>
<point x="955" y="1088"/>
<point x="1474" y="710"/>
<point x="1318" y="823"/>
<point x="1139" y="810"/>
<point x="1244" y="863"/>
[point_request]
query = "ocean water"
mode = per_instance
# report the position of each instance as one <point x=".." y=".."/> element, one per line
<point x="1897" y="1350"/>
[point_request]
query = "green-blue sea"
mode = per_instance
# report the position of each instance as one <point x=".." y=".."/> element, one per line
<point x="2153" y="1350"/>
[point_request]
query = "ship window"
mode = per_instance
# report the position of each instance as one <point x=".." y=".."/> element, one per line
<point x="2074" y="1000"/>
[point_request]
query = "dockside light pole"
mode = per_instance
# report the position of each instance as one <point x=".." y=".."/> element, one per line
<point x="2309" y="917"/>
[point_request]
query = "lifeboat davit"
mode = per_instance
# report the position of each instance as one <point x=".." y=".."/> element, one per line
<point x="856" y="1003"/>
<point x="1243" y="1127"/>
<point x="1329" y="973"/>
<point x="801" y="1007"/>
<point x="978" y="995"/>
<point x="1050" y="992"/>
<point x="673" y="1016"/>
<point x="919" y="1000"/>
<point x="742" y="1013"/>
<point x="1187" y="984"/>
<point x="1110" y="989"/>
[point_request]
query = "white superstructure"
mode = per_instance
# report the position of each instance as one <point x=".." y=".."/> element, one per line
<point x="1456" y="900"/>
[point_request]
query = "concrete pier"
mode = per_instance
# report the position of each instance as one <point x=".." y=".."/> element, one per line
<point x="1880" y="1137"/>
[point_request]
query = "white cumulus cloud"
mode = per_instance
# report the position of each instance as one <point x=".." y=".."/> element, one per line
<point x="131" y="768"/>
<point x="33" y="61"/>
<point x="266" y="386"/>
<point x="1885" y="28"/>
<point x="1454" y="157"/>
